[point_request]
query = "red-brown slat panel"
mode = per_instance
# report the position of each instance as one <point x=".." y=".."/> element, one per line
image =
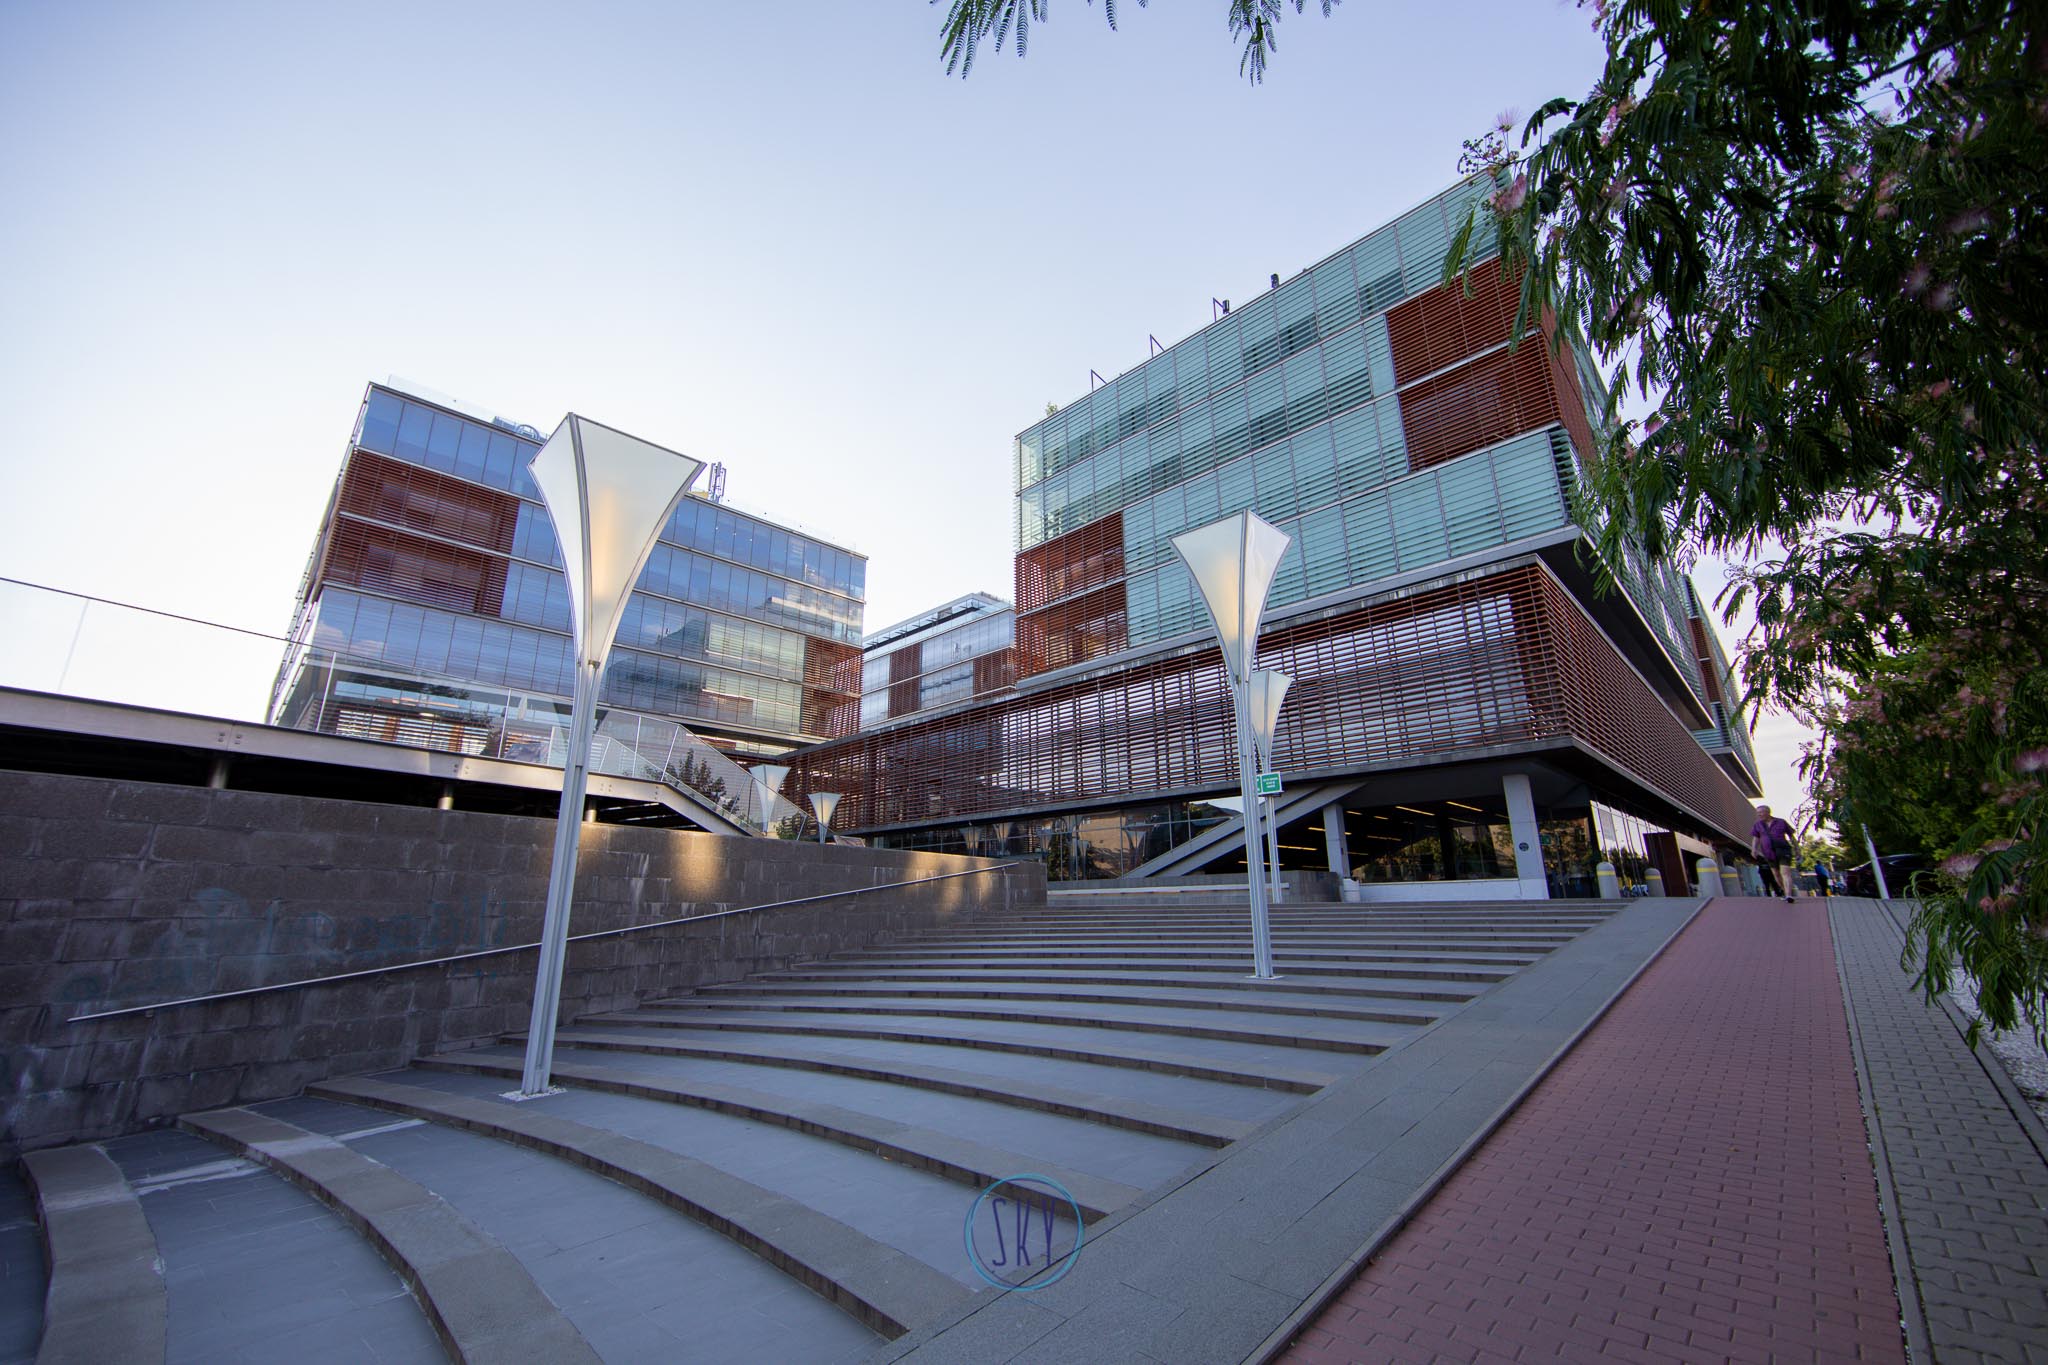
<point x="1072" y="631"/>
<point x="1501" y="659"/>
<point x="1442" y="327"/>
<point x="400" y="494"/>
<point x="1083" y="558"/>
<point x="1499" y="395"/>
<point x="413" y="567"/>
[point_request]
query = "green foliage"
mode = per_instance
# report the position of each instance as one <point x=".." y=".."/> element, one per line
<point x="1813" y="847"/>
<point x="972" y="24"/>
<point x="1813" y="235"/>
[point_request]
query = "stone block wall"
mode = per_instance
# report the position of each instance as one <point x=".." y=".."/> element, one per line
<point x="116" y="894"/>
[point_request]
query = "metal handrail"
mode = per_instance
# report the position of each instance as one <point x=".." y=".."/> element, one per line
<point x="519" y="947"/>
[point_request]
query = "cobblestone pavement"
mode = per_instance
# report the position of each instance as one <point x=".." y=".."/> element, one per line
<point x="1690" y="1183"/>
<point x="1967" y="1163"/>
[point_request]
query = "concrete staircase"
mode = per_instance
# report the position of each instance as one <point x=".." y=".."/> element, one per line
<point x="776" y="1169"/>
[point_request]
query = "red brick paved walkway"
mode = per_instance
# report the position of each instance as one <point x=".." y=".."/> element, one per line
<point x="1690" y="1183"/>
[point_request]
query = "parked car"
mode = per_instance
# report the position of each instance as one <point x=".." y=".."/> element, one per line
<point x="1898" y="875"/>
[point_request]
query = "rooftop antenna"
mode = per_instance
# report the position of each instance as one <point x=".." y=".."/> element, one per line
<point x="716" y="490"/>
<point x="1217" y="308"/>
<point x="1156" y="347"/>
<point x="1094" y="379"/>
<point x="1276" y="279"/>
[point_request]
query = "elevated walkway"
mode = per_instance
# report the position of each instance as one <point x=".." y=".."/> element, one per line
<point x="50" y="733"/>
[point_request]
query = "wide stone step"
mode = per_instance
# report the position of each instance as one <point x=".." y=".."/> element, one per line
<point x="1335" y="1035"/>
<point x="964" y="1160"/>
<point x="915" y="1211"/>
<point x="1227" y="1062"/>
<point x="1240" y="923"/>
<point x="1118" y="1111"/>
<point x="255" y="1268"/>
<point x="24" y="1278"/>
<point x="105" y="1297"/>
<point x="885" y="1290"/>
<point x="1240" y="944"/>
<point x="1282" y="997"/>
<point x="1240" y="928"/>
<point x="479" y="1297"/>
<point x="1220" y="958"/>
<point x="1361" y="977"/>
<point x="1292" y="910"/>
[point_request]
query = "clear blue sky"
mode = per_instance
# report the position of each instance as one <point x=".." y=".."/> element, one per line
<point x="772" y="235"/>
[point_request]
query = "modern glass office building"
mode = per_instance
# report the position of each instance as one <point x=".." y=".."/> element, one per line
<point x="434" y="611"/>
<point x="953" y="653"/>
<point x="1479" y="704"/>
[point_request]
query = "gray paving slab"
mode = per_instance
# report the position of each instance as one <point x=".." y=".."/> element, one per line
<point x="1962" y="1160"/>
<point x="481" y="1299"/>
<point x="621" y="1265"/>
<point x="24" y="1279"/>
<point x="255" y="1269"/>
<point x="106" y="1289"/>
<point x="1248" y="1103"/>
<point x="1248" y="1234"/>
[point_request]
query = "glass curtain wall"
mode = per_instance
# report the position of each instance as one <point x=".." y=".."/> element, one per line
<point x="441" y="563"/>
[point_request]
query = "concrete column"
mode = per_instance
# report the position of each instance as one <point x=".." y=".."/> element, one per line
<point x="1528" y="839"/>
<point x="1335" y="842"/>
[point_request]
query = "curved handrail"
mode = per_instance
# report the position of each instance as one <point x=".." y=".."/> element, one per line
<point x="520" y="947"/>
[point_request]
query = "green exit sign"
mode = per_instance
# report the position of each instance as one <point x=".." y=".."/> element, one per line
<point x="1269" y="784"/>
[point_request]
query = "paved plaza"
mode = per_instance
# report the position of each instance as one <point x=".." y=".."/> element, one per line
<point x="1647" y="1129"/>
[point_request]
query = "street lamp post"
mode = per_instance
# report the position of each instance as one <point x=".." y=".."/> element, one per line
<point x="1233" y="562"/>
<point x="824" y="803"/>
<point x="608" y="495"/>
<point x="1269" y="690"/>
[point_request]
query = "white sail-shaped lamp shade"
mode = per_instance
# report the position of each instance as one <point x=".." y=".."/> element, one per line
<point x="608" y="494"/>
<point x="825" y="804"/>
<point x="1269" y="692"/>
<point x="769" y="778"/>
<point x="1234" y="561"/>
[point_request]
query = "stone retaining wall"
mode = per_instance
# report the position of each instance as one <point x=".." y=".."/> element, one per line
<point x="116" y="893"/>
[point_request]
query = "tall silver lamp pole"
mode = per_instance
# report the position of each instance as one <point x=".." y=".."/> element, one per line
<point x="1269" y="690"/>
<point x="1233" y="562"/>
<point x="608" y="494"/>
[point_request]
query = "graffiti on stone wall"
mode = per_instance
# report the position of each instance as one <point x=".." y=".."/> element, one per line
<point x="274" y="943"/>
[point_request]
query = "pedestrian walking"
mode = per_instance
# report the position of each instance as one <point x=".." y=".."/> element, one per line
<point x="1823" y="880"/>
<point x="1770" y="843"/>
